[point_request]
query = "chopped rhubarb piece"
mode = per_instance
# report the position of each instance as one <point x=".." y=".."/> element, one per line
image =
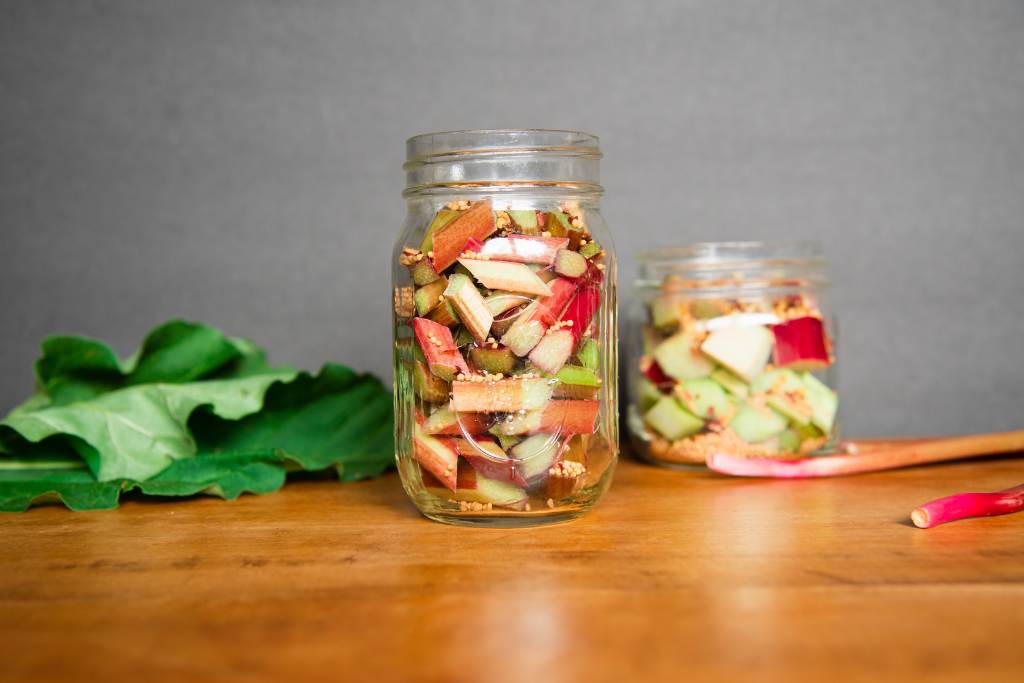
<point x="589" y="354"/>
<point x="536" y="454"/>
<point x="439" y="348"/>
<point x="557" y="224"/>
<point x="575" y="392"/>
<point x="445" y="314"/>
<point x="470" y="306"/>
<point x="743" y="349"/>
<point x="525" y="221"/>
<point x="501" y="301"/>
<point x="422" y="272"/>
<point x="549" y="309"/>
<point x="474" y="245"/>
<point x="590" y="250"/>
<point x="445" y="422"/>
<point x="530" y="326"/>
<point x="429" y="387"/>
<point x="500" y="396"/>
<point x="450" y="242"/>
<point x="522" y="249"/>
<point x="679" y="357"/>
<point x="490" y="460"/>
<point x="499" y="360"/>
<point x="581" y="310"/>
<point x="557" y="417"/>
<point x="428" y="296"/>
<point x="513" y="277"/>
<point x="551" y="353"/>
<point x="800" y="344"/>
<point x="581" y="375"/>
<point x="526" y="332"/>
<point x="570" y="264"/>
<point x="438" y="456"/>
<point x="577" y="382"/>
<point x="658" y="377"/>
<point x="441" y="219"/>
<point x="472" y="486"/>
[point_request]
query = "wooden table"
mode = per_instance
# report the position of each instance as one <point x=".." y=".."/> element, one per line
<point x="675" y="576"/>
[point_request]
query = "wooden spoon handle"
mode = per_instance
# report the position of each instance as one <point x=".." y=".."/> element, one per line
<point x="872" y="456"/>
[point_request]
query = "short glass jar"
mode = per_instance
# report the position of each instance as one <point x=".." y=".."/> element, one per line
<point x="505" y="346"/>
<point x="732" y="350"/>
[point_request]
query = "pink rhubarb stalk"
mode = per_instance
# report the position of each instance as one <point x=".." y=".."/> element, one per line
<point x="963" y="505"/>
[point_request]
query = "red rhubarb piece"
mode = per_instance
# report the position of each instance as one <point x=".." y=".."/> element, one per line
<point x="964" y="505"/>
<point x="801" y="344"/>
<point x="438" y="456"/>
<point x="439" y="348"/>
<point x="449" y="243"/>
<point x="549" y="308"/>
<point x="445" y="422"/>
<point x="487" y="458"/>
<point x="581" y="310"/>
<point x="658" y="377"/>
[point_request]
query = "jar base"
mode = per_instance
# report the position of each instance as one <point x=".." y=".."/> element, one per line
<point x="505" y="520"/>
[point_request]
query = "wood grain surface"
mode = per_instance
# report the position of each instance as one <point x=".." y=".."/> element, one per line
<point x="675" y="576"/>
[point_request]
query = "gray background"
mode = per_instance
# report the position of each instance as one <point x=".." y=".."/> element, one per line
<point x="240" y="163"/>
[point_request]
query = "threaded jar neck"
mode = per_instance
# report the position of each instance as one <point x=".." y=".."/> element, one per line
<point x="723" y="266"/>
<point x="496" y="161"/>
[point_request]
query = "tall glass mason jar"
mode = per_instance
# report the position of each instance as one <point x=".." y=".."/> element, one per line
<point x="505" y="341"/>
<point x="732" y="350"/>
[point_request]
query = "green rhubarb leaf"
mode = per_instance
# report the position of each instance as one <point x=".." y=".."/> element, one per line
<point x="191" y="412"/>
<point x="76" y="488"/>
<point x="227" y="475"/>
<point x="78" y="368"/>
<point x="136" y="432"/>
<point x="338" y="418"/>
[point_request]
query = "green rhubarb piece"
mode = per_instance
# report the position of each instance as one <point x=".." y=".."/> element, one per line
<point x="649" y="393"/>
<point x="558" y="224"/>
<point x="680" y="360"/>
<point x="670" y="420"/>
<point x="507" y="442"/>
<point x="590" y="249"/>
<point x="525" y="220"/>
<point x="444" y="314"/>
<point x="823" y="402"/>
<point x="579" y="375"/>
<point x="789" y="441"/>
<point x="786" y="393"/>
<point x="705" y="398"/>
<point x="462" y="336"/>
<point x="588" y="354"/>
<point x="665" y="313"/>
<point x="500" y="360"/>
<point x="428" y="296"/>
<point x="441" y="219"/>
<point x="730" y="382"/>
<point x="423" y="272"/>
<point x="755" y="425"/>
<point x="429" y="387"/>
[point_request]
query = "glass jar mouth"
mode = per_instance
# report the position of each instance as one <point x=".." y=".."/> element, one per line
<point x="486" y="160"/>
<point x="426" y="146"/>
<point x="717" y="266"/>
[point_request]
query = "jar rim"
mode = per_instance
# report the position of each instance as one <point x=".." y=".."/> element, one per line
<point x="426" y="146"/>
<point x="735" y="264"/>
<point x="485" y="160"/>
